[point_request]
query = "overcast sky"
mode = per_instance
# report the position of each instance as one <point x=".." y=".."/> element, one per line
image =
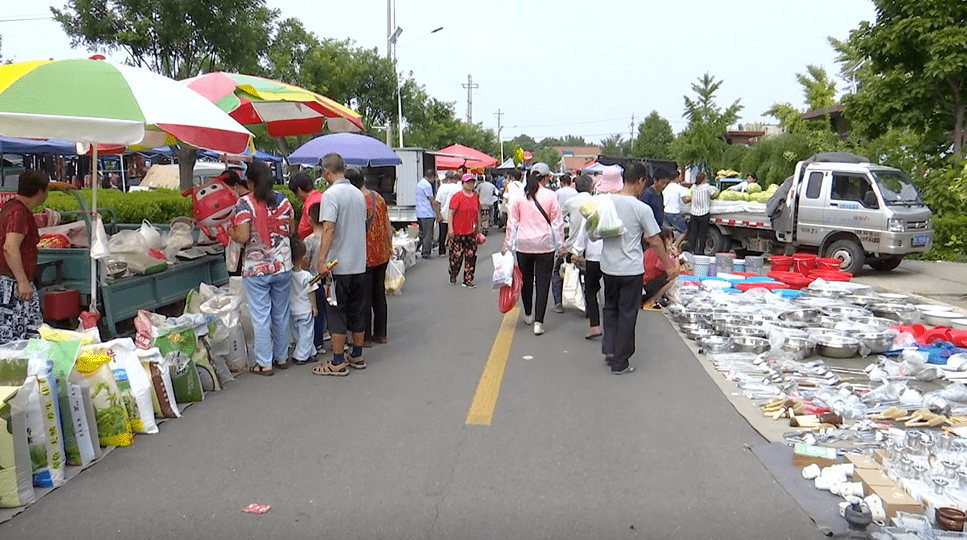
<point x="564" y="67"/>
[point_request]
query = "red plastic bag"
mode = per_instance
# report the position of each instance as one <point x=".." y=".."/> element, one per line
<point x="508" y="296"/>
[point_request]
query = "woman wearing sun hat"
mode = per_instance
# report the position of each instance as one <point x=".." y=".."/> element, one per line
<point x="464" y="219"/>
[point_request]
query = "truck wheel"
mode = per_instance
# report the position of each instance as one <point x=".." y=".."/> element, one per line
<point x="850" y="255"/>
<point x="716" y="242"/>
<point x="887" y="264"/>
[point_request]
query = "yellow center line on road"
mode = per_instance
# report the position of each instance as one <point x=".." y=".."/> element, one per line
<point x="481" y="411"/>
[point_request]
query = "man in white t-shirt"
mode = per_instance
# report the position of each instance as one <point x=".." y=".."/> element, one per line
<point x="512" y="187"/>
<point x="673" y="209"/>
<point x="447" y="189"/>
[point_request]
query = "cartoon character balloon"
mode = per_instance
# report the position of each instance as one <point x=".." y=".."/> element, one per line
<point x="212" y="205"/>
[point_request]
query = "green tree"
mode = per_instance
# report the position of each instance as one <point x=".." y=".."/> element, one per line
<point x="818" y="89"/>
<point x="615" y="145"/>
<point x="916" y="70"/>
<point x="567" y="140"/>
<point x="176" y="38"/>
<point x="702" y="143"/>
<point x="288" y="52"/>
<point x="654" y="138"/>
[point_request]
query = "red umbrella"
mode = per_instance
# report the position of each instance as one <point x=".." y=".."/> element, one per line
<point x="285" y="109"/>
<point x="458" y="155"/>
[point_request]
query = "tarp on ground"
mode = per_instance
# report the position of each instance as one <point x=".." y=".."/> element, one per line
<point x="458" y="155"/>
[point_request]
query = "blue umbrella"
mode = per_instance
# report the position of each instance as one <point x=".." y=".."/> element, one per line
<point x="355" y="149"/>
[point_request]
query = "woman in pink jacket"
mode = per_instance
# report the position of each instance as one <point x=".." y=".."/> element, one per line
<point x="535" y="231"/>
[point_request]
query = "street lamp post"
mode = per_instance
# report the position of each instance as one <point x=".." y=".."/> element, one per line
<point x="392" y="48"/>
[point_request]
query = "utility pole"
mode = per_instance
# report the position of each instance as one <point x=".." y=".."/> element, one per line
<point x="470" y="86"/>
<point x="390" y="25"/>
<point x="631" y="141"/>
<point x="499" y="114"/>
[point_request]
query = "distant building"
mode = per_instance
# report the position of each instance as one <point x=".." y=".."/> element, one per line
<point x="576" y="157"/>
<point x="837" y="121"/>
<point x="745" y="137"/>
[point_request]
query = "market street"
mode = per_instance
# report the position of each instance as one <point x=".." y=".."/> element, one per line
<point x="571" y="451"/>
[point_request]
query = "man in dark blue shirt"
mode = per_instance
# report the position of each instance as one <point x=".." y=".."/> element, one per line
<point x="652" y="194"/>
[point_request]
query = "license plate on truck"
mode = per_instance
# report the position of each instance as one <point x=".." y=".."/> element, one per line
<point x="920" y="239"/>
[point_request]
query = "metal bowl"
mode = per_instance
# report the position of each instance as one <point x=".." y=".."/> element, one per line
<point x="692" y="317"/>
<point x="842" y="311"/>
<point x="876" y="342"/>
<point x="717" y="344"/>
<point x="699" y="333"/>
<point x="827" y="321"/>
<point x="751" y="344"/>
<point x="879" y="322"/>
<point x="675" y="311"/>
<point x="821" y="293"/>
<point x="116" y="269"/>
<point x="836" y="346"/>
<point x="789" y="325"/>
<point x="746" y="331"/>
<point x="800" y="346"/>
<point x="814" y="301"/>
<point x="800" y="315"/>
<point x="862" y="299"/>
<point x="904" y="313"/>
<point x="894" y="298"/>
<point x="816" y="331"/>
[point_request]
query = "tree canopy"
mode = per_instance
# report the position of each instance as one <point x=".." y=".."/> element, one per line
<point x="915" y="70"/>
<point x="654" y="139"/>
<point x="176" y="38"/>
<point x="702" y="143"/>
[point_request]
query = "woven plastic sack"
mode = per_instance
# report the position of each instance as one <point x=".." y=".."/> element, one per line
<point x="509" y="295"/>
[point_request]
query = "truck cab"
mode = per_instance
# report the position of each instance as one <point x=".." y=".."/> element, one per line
<point x="859" y="213"/>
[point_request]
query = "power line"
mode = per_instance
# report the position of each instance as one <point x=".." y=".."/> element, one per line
<point x="21" y="18"/>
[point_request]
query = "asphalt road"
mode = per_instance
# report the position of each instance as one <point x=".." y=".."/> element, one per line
<point x="571" y="451"/>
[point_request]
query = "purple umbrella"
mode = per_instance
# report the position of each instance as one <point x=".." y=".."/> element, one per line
<point x="355" y="149"/>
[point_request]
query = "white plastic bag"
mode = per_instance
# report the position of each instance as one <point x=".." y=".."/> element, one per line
<point x="604" y="222"/>
<point x="151" y="235"/>
<point x="503" y="269"/>
<point x="128" y="241"/>
<point x="179" y="238"/>
<point x="99" y="242"/>
<point x="394" y="277"/>
<point x="573" y="293"/>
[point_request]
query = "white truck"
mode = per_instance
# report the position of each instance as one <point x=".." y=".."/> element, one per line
<point x="837" y="205"/>
<point x="398" y="183"/>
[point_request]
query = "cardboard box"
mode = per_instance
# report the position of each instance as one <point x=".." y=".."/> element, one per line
<point x="804" y="455"/>
<point x="863" y="461"/>
<point x="880" y="456"/>
<point x="871" y="478"/>
<point x="896" y="500"/>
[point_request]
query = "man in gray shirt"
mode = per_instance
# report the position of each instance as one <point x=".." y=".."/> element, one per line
<point x="623" y="269"/>
<point x="343" y="244"/>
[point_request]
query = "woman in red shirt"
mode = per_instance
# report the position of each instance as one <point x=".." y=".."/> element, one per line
<point x="464" y="223"/>
<point x="20" y="314"/>
<point x="655" y="280"/>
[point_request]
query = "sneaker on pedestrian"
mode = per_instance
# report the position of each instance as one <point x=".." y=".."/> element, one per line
<point x="469" y="285"/>
<point x="538" y="328"/>
<point x="628" y="369"/>
<point x="321" y="349"/>
<point x="356" y="362"/>
<point x="558" y="308"/>
<point x="528" y="319"/>
<point x="327" y="336"/>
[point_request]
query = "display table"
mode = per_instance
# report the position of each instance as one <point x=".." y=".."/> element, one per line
<point x="121" y="299"/>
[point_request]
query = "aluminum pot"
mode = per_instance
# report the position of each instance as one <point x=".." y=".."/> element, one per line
<point x="836" y="346"/>
<point x="817" y="331"/>
<point x="692" y="317"/>
<point x="863" y="299"/>
<point x="746" y="331"/>
<point x="751" y="344"/>
<point x="717" y="344"/>
<point x="880" y="322"/>
<point x="848" y="312"/>
<point x="799" y="346"/>
<point x="800" y="315"/>
<point x="699" y="333"/>
<point x="876" y="342"/>
<point x="904" y="313"/>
